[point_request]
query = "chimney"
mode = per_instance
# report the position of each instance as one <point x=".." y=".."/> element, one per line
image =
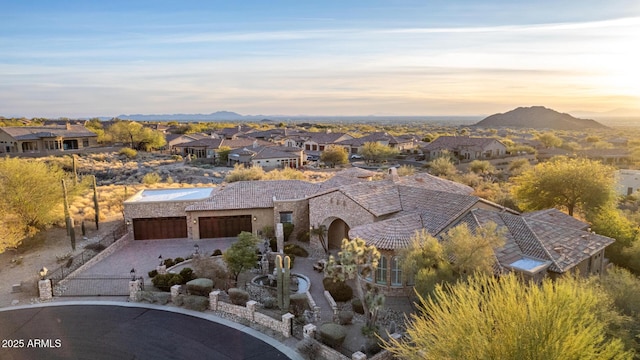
<point x="393" y="174"/>
<point x="255" y="144"/>
<point x="68" y="126"/>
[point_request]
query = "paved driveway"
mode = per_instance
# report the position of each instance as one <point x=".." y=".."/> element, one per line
<point x="103" y="330"/>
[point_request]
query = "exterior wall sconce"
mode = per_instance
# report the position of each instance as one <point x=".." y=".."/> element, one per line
<point x="195" y="221"/>
<point x="128" y="222"/>
<point x="255" y="218"/>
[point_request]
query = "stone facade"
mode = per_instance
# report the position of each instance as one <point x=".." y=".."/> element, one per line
<point x="299" y="210"/>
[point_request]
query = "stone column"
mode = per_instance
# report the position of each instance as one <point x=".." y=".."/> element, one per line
<point x="309" y="331"/>
<point x="175" y="291"/>
<point x="280" y="237"/>
<point x="251" y="306"/>
<point x="161" y="269"/>
<point x="134" y="290"/>
<point x="45" y="290"/>
<point x="287" y="322"/>
<point x="213" y="299"/>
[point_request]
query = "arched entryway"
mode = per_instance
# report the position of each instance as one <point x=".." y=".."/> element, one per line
<point x="338" y="230"/>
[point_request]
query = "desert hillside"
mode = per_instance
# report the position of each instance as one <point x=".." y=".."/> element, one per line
<point x="538" y="117"/>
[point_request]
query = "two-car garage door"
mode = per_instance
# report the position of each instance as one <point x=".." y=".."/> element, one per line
<point x="160" y="228"/>
<point x="224" y="226"/>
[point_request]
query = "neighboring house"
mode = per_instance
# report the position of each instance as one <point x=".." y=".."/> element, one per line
<point x="465" y="148"/>
<point x="354" y="145"/>
<point x="267" y="157"/>
<point x="317" y="142"/>
<point x="208" y="147"/>
<point x="234" y="132"/>
<point x="174" y="140"/>
<point x="46" y="139"/>
<point x="607" y="156"/>
<point x="628" y="181"/>
<point x="385" y="213"/>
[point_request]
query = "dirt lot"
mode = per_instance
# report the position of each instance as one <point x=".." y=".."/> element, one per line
<point x="21" y="267"/>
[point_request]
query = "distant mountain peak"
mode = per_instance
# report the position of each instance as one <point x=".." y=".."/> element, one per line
<point x="538" y="117"/>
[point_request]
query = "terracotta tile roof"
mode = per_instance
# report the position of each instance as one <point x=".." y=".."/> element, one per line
<point x="428" y="181"/>
<point x="39" y="132"/>
<point x="391" y="234"/>
<point x="557" y="217"/>
<point x="378" y="197"/>
<point x="255" y="194"/>
<point x="328" y="137"/>
<point x="374" y="137"/>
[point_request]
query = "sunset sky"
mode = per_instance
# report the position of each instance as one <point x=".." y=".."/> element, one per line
<point x="105" y="58"/>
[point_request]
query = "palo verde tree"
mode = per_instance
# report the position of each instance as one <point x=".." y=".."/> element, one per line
<point x="571" y="184"/>
<point x="490" y="318"/>
<point x="334" y="155"/>
<point x="357" y="260"/>
<point x="138" y="136"/>
<point x="376" y="152"/>
<point x="242" y="254"/>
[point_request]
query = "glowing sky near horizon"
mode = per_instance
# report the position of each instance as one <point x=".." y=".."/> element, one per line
<point x="83" y="59"/>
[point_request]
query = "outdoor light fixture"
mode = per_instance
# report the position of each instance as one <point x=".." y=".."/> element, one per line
<point x="255" y="218"/>
<point x="43" y="272"/>
<point x="161" y="261"/>
<point x="196" y="248"/>
<point x="195" y="221"/>
<point x="133" y="274"/>
<point x="128" y="222"/>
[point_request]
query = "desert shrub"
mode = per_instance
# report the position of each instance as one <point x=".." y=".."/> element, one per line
<point x="169" y="262"/>
<point x="129" y="153"/>
<point x="188" y="274"/>
<point x="178" y="260"/>
<point x="155" y="297"/>
<point x="176" y="157"/>
<point x="273" y="244"/>
<point x="304" y="236"/>
<point x="339" y="290"/>
<point x="195" y="302"/>
<point x="217" y="252"/>
<point x="164" y="282"/>
<point x="212" y="268"/>
<point x="152" y="273"/>
<point x="269" y="302"/>
<point x="151" y="178"/>
<point x="240" y="173"/>
<point x="95" y="247"/>
<point x="309" y="349"/>
<point x="200" y="286"/>
<point x="332" y="334"/>
<point x="296" y="250"/>
<point x="356" y="305"/>
<point x="238" y="296"/>
<point x="269" y="232"/>
<point x="298" y="304"/>
<point x="345" y="317"/>
<point x="287" y="229"/>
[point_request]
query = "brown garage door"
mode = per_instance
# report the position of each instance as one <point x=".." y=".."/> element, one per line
<point x="224" y="226"/>
<point x="160" y="228"/>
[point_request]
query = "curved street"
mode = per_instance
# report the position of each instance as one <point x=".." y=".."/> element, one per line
<point x="103" y="330"/>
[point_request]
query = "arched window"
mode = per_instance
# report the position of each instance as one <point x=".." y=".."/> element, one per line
<point x="381" y="271"/>
<point x="396" y="271"/>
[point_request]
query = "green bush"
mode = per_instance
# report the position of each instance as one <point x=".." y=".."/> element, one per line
<point x="176" y="157"/>
<point x="200" y="287"/>
<point x="217" y="252"/>
<point x="195" y="302"/>
<point x="155" y="297"/>
<point x="287" y="229"/>
<point x="309" y="348"/>
<point x="273" y="244"/>
<point x="152" y="273"/>
<point x="345" y="317"/>
<point x="339" y="290"/>
<point x="332" y="334"/>
<point x="164" y="282"/>
<point x="151" y="178"/>
<point x="178" y="260"/>
<point x="298" y="304"/>
<point x="238" y="296"/>
<point x="269" y="303"/>
<point x="187" y="274"/>
<point x="169" y="262"/>
<point x="356" y="305"/>
<point x="128" y="152"/>
<point x="269" y="232"/>
<point x="294" y="249"/>
<point x="304" y="236"/>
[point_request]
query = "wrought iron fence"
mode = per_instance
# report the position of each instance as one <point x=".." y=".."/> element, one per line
<point x="93" y="249"/>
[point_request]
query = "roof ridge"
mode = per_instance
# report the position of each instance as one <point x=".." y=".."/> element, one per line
<point x="537" y="239"/>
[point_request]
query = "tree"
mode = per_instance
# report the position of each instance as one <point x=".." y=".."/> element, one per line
<point x="442" y="166"/>
<point x="472" y="251"/>
<point x="355" y="261"/>
<point x="490" y="318"/>
<point x="481" y="167"/>
<point x="334" y="155"/>
<point x="611" y="222"/>
<point x="136" y="135"/>
<point x="30" y="195"/>
<point x="426" y="260"/>
<point x="223" y="154"/>
<point x="549" y="140"/>
<point x="242" y="254"/>
<point x="376" y="152"/>
<point x="566" y="183"/>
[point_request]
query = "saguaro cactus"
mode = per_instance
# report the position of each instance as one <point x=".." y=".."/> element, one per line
<point x="283" y="280"/>
<point x="67" y="217"/>
<point x="96" y="207"/>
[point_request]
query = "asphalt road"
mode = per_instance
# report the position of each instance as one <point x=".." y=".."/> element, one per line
<point x="119" y="332"/>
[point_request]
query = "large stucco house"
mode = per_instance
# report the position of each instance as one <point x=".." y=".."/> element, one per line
<point x="46" y="139"/>
<point x="385" y="213"/>
<point x="465" y="148"/>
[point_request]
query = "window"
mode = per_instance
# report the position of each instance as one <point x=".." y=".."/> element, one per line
<point x="381" y="271"/>
<point x="85" y="142"/>
<point x="286" y="217"/>
<point x="396" y="271"/>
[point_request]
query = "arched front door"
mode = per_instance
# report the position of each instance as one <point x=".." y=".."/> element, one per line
<point x="338" y="230"/>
